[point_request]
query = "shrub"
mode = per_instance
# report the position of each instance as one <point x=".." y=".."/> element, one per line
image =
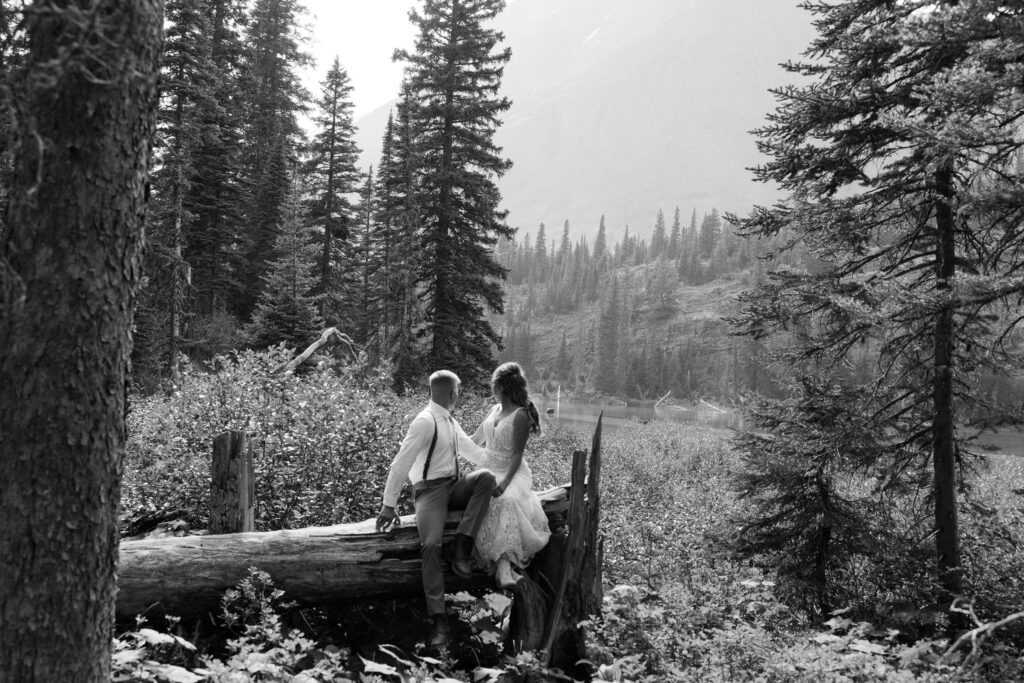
<point x="322" y="441"/>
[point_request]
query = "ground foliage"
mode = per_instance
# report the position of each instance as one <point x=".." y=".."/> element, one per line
<point x="681" y="603"/>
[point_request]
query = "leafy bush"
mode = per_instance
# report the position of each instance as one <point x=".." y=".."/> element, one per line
<point x="688" y="607"/>
<point x="322" y="441"/>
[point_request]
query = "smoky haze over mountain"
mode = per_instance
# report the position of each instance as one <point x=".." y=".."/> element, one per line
<point x="624" y="108"/>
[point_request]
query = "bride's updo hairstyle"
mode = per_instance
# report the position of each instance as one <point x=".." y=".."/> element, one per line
<point x="510" y="379"/>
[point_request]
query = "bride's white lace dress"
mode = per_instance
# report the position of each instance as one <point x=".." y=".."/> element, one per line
<point x="515" y="526"/>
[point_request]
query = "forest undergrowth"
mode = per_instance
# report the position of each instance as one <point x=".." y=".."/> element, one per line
<point x="680" y="603"/>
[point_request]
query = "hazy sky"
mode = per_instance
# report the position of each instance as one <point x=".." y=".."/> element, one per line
<point x="363" y="34"/>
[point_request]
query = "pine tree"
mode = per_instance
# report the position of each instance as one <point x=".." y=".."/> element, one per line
<point x="626" y="252"/>
<point x="540" y="253"/>
<point x="829" y="432"/>
<point x="70" y="250"/>
<point x="674" y="240"/>
<point x="332" y="177"/>
<point x="661" y="289"/>
<point x="274" y="97"/>
<point x="659" y="238"/>
<point x="397" y="239"/>
<point x="186" y="92"/>
<point x="710" y="231"/>
<point x="216" y="197"/>
<point x="563" y="362"/>
<point x="899" y="156"/>
<point x="601" y="243"/>
<point x="606" y="378"/>
<point x="564" y="245"/>
<point x="363" y="302"/>
<point x="288" y="311"/>
<point x="454" y="73"/>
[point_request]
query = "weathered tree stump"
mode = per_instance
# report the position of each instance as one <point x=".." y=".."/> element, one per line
<point x="233" y="485"/>
<point x="578" y="592"/>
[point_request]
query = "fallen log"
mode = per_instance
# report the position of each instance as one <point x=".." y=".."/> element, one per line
<point x="186" y="576"/>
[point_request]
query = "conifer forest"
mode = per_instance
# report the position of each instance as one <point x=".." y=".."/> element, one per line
<point x="183" y="217"/>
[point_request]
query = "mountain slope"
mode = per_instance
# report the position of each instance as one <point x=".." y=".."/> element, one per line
<point x="623" y="108"/>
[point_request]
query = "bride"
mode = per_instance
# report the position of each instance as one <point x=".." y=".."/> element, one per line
<point x="515" y="527"/>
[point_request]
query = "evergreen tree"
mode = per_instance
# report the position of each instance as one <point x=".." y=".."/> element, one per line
<point x="332" y="177"/>
<point x="363" y="303"/>
<point x="69" y="250"/>
<point x="563" y="362"/>
<point x="624" y="338"/>
<point x="661" y="289"/>
<point x="900" y="159"/>
<point x="606" y="378"/>
<point x="829" y="432"/>
<point x="186" y="92"/>
<point x="454" y="73"/>
<point x="216" y="197"/>
<point x="564" y="246"/>
<point x="627" y="250"/>
<point x="274" y="97"/>
<point x="601" y="243"/>
<point x="540" y="253"/>
<point x="710" y="231"/>
<point x="288" y="311"/>
<point x="659" y="239"/>
<point x="675" y="238"/>
<point x="398" y="239"/>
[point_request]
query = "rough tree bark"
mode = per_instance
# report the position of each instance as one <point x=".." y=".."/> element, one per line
<point x="69" y="266"/>
<point x="187" y="576"/>
<point x="232" y="485"/>
<point x="947" y="537"/>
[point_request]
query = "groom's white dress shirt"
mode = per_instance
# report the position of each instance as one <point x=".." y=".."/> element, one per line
<point x="452" y="442"/>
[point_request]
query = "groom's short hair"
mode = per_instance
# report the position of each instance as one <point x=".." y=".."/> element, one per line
<point x="445" y="378"/>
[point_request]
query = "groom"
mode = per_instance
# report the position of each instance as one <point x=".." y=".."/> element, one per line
<point x="428" y="457"/>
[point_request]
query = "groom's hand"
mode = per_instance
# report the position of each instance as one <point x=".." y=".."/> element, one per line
<point x="387" y="519"/>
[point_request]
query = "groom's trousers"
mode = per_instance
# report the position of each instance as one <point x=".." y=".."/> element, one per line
<point x="433" y="499"/>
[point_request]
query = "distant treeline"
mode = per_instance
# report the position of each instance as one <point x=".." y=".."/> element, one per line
<point x="646" y="315"/>
<point x="608" y="317"/>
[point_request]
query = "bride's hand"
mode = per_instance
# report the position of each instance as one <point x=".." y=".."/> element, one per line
<point x="498" y="490"/>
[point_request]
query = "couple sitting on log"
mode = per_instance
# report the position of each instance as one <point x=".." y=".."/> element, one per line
<point x="503" y="522"/>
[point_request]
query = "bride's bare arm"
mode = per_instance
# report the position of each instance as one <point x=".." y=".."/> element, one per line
<point x="478" y="436"/>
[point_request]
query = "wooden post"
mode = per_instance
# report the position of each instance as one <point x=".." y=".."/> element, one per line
<point x="577" y="593"/>
<point x="232" y="489"/>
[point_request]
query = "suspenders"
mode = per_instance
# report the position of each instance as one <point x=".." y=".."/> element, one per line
<point x="430" y="453"/>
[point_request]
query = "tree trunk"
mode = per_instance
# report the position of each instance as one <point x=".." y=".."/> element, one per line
<point x="69" y="267"/>
<point x="947" y="537"/>
<point x="232" y="489"/>
<point x="187" y="576"/>
<point x="578" y="592"/>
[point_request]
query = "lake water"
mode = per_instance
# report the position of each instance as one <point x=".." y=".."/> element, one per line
<point x="582" y="415"/>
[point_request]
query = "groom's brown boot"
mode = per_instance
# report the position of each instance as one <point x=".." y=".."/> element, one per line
<point x="462" y="555"/>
